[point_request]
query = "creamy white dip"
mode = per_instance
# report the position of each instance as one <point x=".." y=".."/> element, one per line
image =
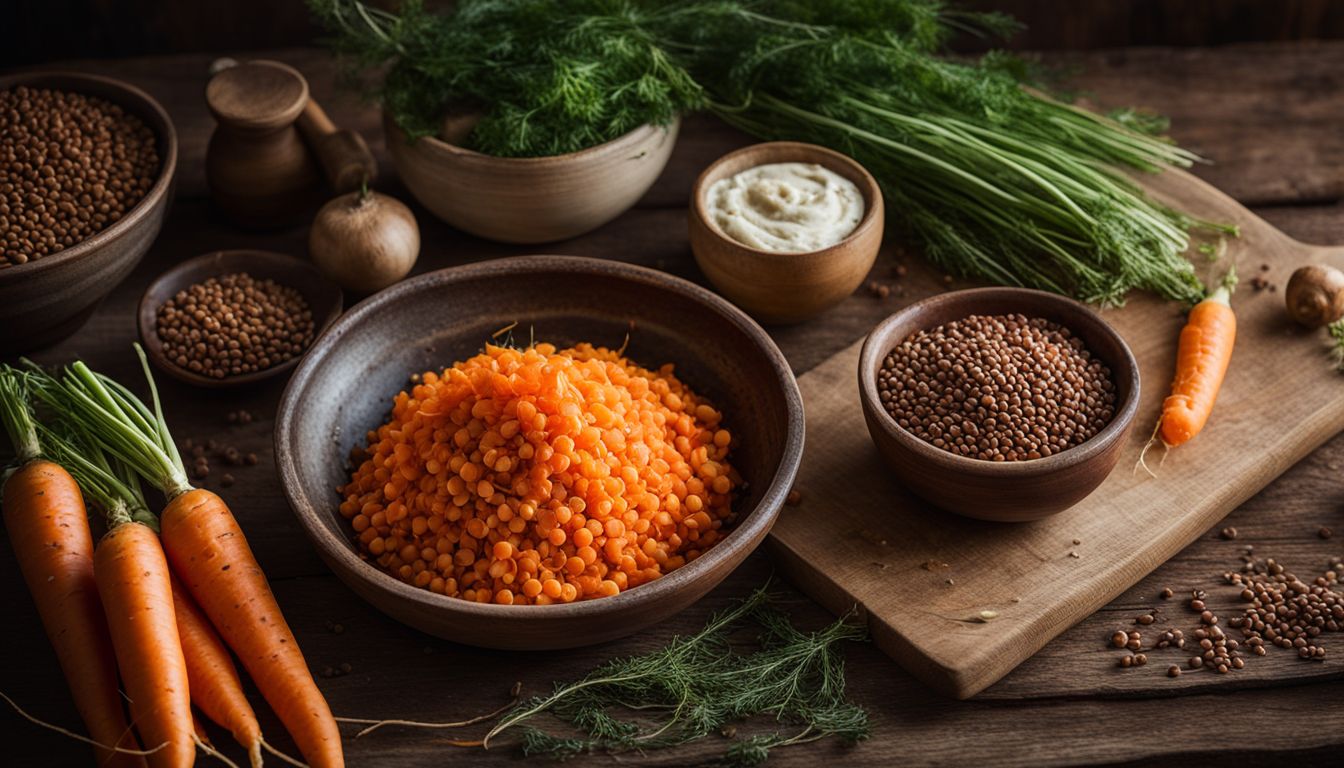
<point x="785" y="207"/>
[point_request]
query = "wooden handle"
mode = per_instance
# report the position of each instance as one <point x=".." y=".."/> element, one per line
<point x="343" y="154"/>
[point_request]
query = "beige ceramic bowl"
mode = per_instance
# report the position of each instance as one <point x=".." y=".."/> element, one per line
<point x="530" y="199"/>
<point x="786" y="287"/>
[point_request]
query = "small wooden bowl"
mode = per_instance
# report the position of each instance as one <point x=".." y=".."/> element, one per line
<point x="49" y="298"/>
<point x="530" y="199"/>
<point x="786" y="287"/>
<point x="1008" y="491"/>
<point x="345" y="385"/>
<point x="323" y="297"/>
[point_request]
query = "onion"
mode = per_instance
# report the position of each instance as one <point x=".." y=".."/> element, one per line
<point x="364" y="241"/>
<point x="1315" y="295"/>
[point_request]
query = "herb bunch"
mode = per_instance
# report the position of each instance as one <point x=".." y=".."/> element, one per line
<point x="545" y="77"/>
<point x="697" y="685"/>
<point x="997" y="180"/>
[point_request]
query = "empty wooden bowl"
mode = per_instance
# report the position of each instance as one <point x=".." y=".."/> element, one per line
<point x="1008" y="491"/>
<point x="780" y="287"/>
<point x="346" y="383"/>
<point x="323" y="297"/>
<point x="49" y="298"/>
<point x="530" y="199"/>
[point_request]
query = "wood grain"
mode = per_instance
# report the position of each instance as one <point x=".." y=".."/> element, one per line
<point x="1068" y="704"/>
<point x="922" y="577"/>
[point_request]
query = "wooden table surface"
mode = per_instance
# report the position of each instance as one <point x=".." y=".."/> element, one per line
<point x="1268" y="115"/>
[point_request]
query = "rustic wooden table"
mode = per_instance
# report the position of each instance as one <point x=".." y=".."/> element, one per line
<point x="1267" y="114"/>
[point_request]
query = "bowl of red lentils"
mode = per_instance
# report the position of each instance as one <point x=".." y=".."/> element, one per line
<point x="539" y="452"/>
<point x="1002" y="404"/>
<point x="86" y="174"/>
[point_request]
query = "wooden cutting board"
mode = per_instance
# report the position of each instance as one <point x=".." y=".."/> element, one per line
<point x="921" y="577"/>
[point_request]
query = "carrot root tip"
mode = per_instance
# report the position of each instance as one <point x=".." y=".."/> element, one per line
<point x="76" y="736"/>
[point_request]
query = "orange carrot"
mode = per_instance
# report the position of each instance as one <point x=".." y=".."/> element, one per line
<point x="215" y="686"/>
<point x="132" y="577"/>
<point x="208" y="551"/>
<point x="1202" y="357"/>
<point x="49" y="530"/>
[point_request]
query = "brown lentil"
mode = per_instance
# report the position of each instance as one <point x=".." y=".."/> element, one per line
<point x="233" y="324"/>
<point x="1173" y="671"/>
<point x="997" y="388"/>
<point x="70" y="166"/>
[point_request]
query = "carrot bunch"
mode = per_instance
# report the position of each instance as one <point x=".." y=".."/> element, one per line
<point x="177" y="600"/>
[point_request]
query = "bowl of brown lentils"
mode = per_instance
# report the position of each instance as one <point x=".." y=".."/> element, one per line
<point x="86" y="174"/>
<point x="1001" y="404"/>
<point x="231" y="318"/>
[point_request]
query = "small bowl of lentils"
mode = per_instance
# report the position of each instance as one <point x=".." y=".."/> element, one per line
<point x="1000" y="404"/>
<point x="86" y="173"/>
<point x="235" y="317"/>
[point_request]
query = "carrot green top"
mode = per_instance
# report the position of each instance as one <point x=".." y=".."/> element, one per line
<point x="118" y="421"/>
<point x="17" y="416"/>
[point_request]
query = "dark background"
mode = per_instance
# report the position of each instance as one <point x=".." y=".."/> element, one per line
<point x="35" y="31"/>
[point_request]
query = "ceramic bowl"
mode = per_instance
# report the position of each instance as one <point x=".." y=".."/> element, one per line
<point x="323" y="297"/>
<point x="346" y="383"/>
<point x="530" y="199"/>
<point x="48" y="299"/>
<point x="785" y="287"/>
<point x="1008" y="491"/>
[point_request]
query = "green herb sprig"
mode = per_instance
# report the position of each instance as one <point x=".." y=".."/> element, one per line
<point x="697" y="685"/>
<point x="997" y="180"/>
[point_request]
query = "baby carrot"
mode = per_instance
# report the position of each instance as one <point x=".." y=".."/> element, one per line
<point x="48" y="527"/>
<point x="1202" y="356"/>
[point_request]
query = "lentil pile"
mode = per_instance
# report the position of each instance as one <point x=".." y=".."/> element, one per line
<point x="70" y="166"/>
<point x="234" y="324"/>
<point x="997" y="388"/>
<point x="537" y="476"/>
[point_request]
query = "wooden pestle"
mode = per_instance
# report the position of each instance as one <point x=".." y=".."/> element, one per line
<point x="343" y="154"/>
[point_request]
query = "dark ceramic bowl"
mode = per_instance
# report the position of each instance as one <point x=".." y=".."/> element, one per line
<point x="1008" y="491"/>
<point x="345" y="385"/>
<point x="323" y="297"/>
<point x="48" y="299"/>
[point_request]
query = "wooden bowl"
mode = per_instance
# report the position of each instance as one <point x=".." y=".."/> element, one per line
<point x="530" y="199"/>
<point x="345" y="385"/>
<point x="323" y="297"/>
<point x="48" y="299"/>
<point x="1008" y="491"/>
<point x="785" y="287"/>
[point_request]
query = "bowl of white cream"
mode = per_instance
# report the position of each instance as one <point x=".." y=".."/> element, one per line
<point x="786" y="230"/>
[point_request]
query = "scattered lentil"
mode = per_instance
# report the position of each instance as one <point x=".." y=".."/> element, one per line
<point x="233" y="324"/>
<point x="1166" y="593"/>
<point x="1228" y="533"/>
<point x="1173" y="671"/>
<point x="70" y="166"/>
<point x="997" y="388"/>
<point x="1324" y="533"/>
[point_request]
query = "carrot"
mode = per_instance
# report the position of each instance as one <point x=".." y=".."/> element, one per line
<point x="1202" y="356"/>
<point x="209" y="552"/>
<point x="132" y="576"/>
<point x="48" y="527"/>
<point x="215" y="686"/>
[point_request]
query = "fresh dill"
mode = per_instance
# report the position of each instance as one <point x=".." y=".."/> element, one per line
<point x="993" y="177"/>
<point x="702" y="684"/>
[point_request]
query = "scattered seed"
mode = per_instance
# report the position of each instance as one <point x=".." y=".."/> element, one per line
<point x="1325" y="533"/>
<point x="1166" y="593"/>
<point x="1173" y="671"/>
<point x="794" y="498"/>
<point x="1119" y="639"/>
<point x="1229" y="533"/>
